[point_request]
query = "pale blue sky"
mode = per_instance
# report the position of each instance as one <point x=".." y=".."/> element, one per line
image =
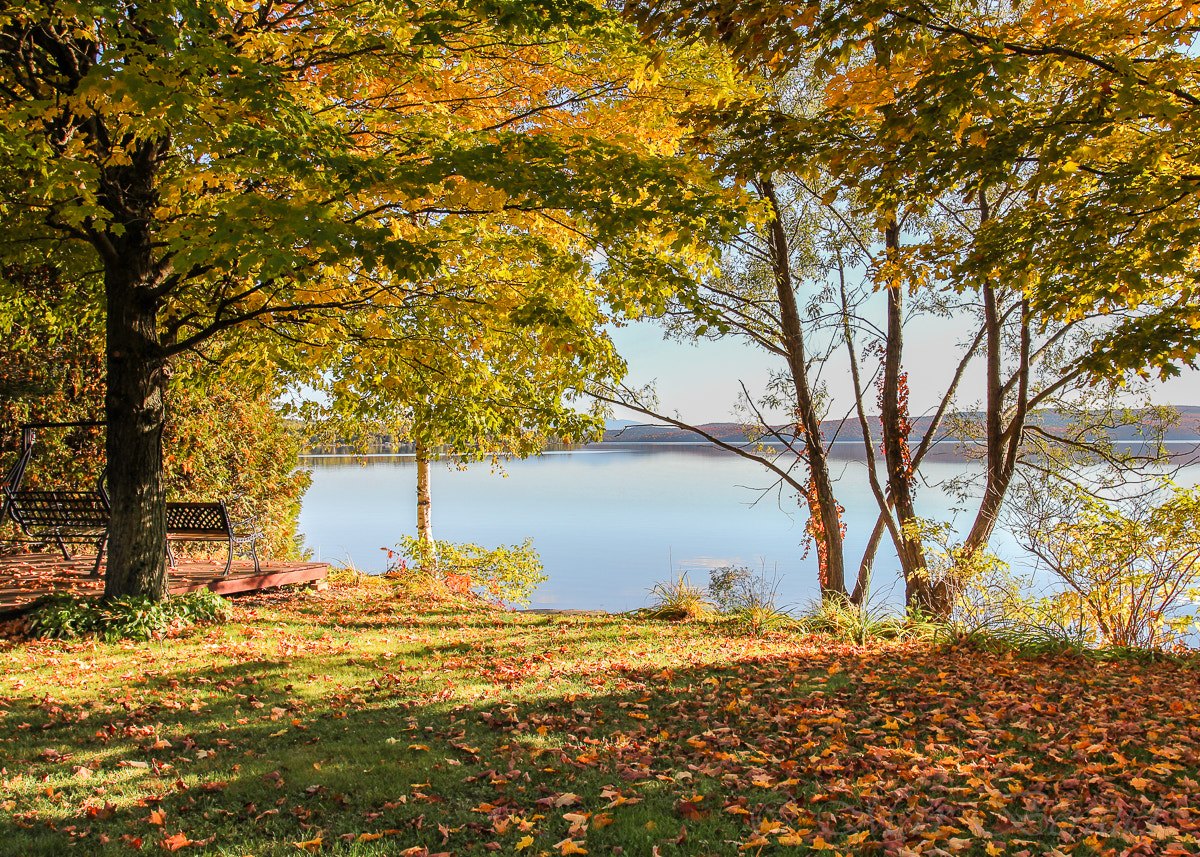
<point x="700" y="381"/>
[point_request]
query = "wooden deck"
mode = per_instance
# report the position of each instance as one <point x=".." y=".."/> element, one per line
<point x="26" y="577"/>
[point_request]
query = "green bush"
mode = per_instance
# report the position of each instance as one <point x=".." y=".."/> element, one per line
<point x="65" y="616"/>
<point x="507" y="574"/>
<point x="1124" y="574"/>
<point x="747" y="599"/>
<point x="857" y="623"/>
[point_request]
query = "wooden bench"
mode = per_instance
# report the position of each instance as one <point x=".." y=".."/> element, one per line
<point x="207" y="522"/>
<point x="80" y="516"/>
<point x="62" y="517"/>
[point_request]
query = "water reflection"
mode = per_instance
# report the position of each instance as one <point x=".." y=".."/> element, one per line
<point x="608" y="520"/>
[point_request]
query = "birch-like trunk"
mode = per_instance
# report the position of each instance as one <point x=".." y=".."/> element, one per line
<point x="424" y="497"/>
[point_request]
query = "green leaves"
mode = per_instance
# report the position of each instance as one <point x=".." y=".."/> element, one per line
<point x="67" y="616"/>
<point x="505" y="574"/>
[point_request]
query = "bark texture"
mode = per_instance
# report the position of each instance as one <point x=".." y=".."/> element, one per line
<point x="920" y="593"/>
<point x="822" y="502"/>
<point x="424" y="495"/>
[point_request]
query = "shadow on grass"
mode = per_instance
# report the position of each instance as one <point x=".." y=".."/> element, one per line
<point x="551" y="736"/>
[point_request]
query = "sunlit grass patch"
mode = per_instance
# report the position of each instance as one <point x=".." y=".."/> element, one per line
<point x="366" y="721"/>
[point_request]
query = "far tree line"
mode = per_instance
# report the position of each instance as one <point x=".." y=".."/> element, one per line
<point x="432" y="214"/>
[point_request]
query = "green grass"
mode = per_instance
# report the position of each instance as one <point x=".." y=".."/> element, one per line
<point x="359" y="722"/>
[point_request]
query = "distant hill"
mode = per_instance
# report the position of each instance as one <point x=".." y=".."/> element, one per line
<point x="1188" y="429"/>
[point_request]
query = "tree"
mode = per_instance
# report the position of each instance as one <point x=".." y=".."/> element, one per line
<point x="66" y="383"/>
<point x="228" y="438"/>
<point x="922" y="105"/>
<point x="490" y="368"/>
<point x="512" y="330"/>
<point x="1094" y="106"/>
<point x="282" y="168"/>
<point x="225" y="437"/>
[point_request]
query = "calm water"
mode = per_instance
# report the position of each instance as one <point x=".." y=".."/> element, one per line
<point x="608" y="521"/>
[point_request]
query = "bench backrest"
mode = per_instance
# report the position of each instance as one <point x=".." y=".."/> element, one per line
<point x="208" y="518"/>
<point x="58" y="510"/>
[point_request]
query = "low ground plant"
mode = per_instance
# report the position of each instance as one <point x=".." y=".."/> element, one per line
<point x="66" y="616"/>
<point x="747" y="599"/>
<point x="345" y="573"/>
<point x="854" y="623"/>
<point x="507" y="574"/>
<point x="678" y="599"/>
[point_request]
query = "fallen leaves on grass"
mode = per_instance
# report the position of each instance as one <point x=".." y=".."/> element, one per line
<point x="894" y="749"/>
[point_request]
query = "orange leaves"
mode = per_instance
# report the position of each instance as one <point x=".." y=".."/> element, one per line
<point x="690" y="810"/>
<point x="174" y="843"/>
<point x="909" y="750"/>
<point x="564" y="799"/>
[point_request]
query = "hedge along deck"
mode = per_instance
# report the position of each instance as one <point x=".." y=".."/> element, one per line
<point x="26" y="577"/>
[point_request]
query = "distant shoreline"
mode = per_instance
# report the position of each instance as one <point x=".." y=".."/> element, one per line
<point x="596" y="447"/>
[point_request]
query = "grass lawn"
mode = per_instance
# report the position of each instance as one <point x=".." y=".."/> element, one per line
<point x="356" y="721"/>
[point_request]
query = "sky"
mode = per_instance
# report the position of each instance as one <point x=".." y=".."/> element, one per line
<point x="699" y="382"/>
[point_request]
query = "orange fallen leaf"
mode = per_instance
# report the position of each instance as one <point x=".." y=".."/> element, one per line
<point x="174" y="843"/>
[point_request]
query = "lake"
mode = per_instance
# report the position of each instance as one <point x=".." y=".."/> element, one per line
<point x="609" y="520"/>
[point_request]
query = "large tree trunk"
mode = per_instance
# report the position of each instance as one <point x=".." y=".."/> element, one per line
<point x="136" y="366"/>
<point x="134" y="408"/>
<point x="823" y="507"/>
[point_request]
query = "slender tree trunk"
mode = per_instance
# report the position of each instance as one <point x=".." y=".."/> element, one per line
<point x="1003" y="446"/>
<point x="823" y="505"/>
<point x="1003" y="439"/>
<point x="424" y="497"/>
<point x="919" y="591"/>
<point x="862" y="586"/>
<point x="134" y="409"/>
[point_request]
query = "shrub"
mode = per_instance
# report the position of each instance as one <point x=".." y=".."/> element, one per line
<point x="985" y="594"/>
<point x="678" y="599"/>
<point x="1127" y="572"/>
<point x="748" y="599"/>
<point x="66" y="616"/>
<point x="507" y="574"/>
